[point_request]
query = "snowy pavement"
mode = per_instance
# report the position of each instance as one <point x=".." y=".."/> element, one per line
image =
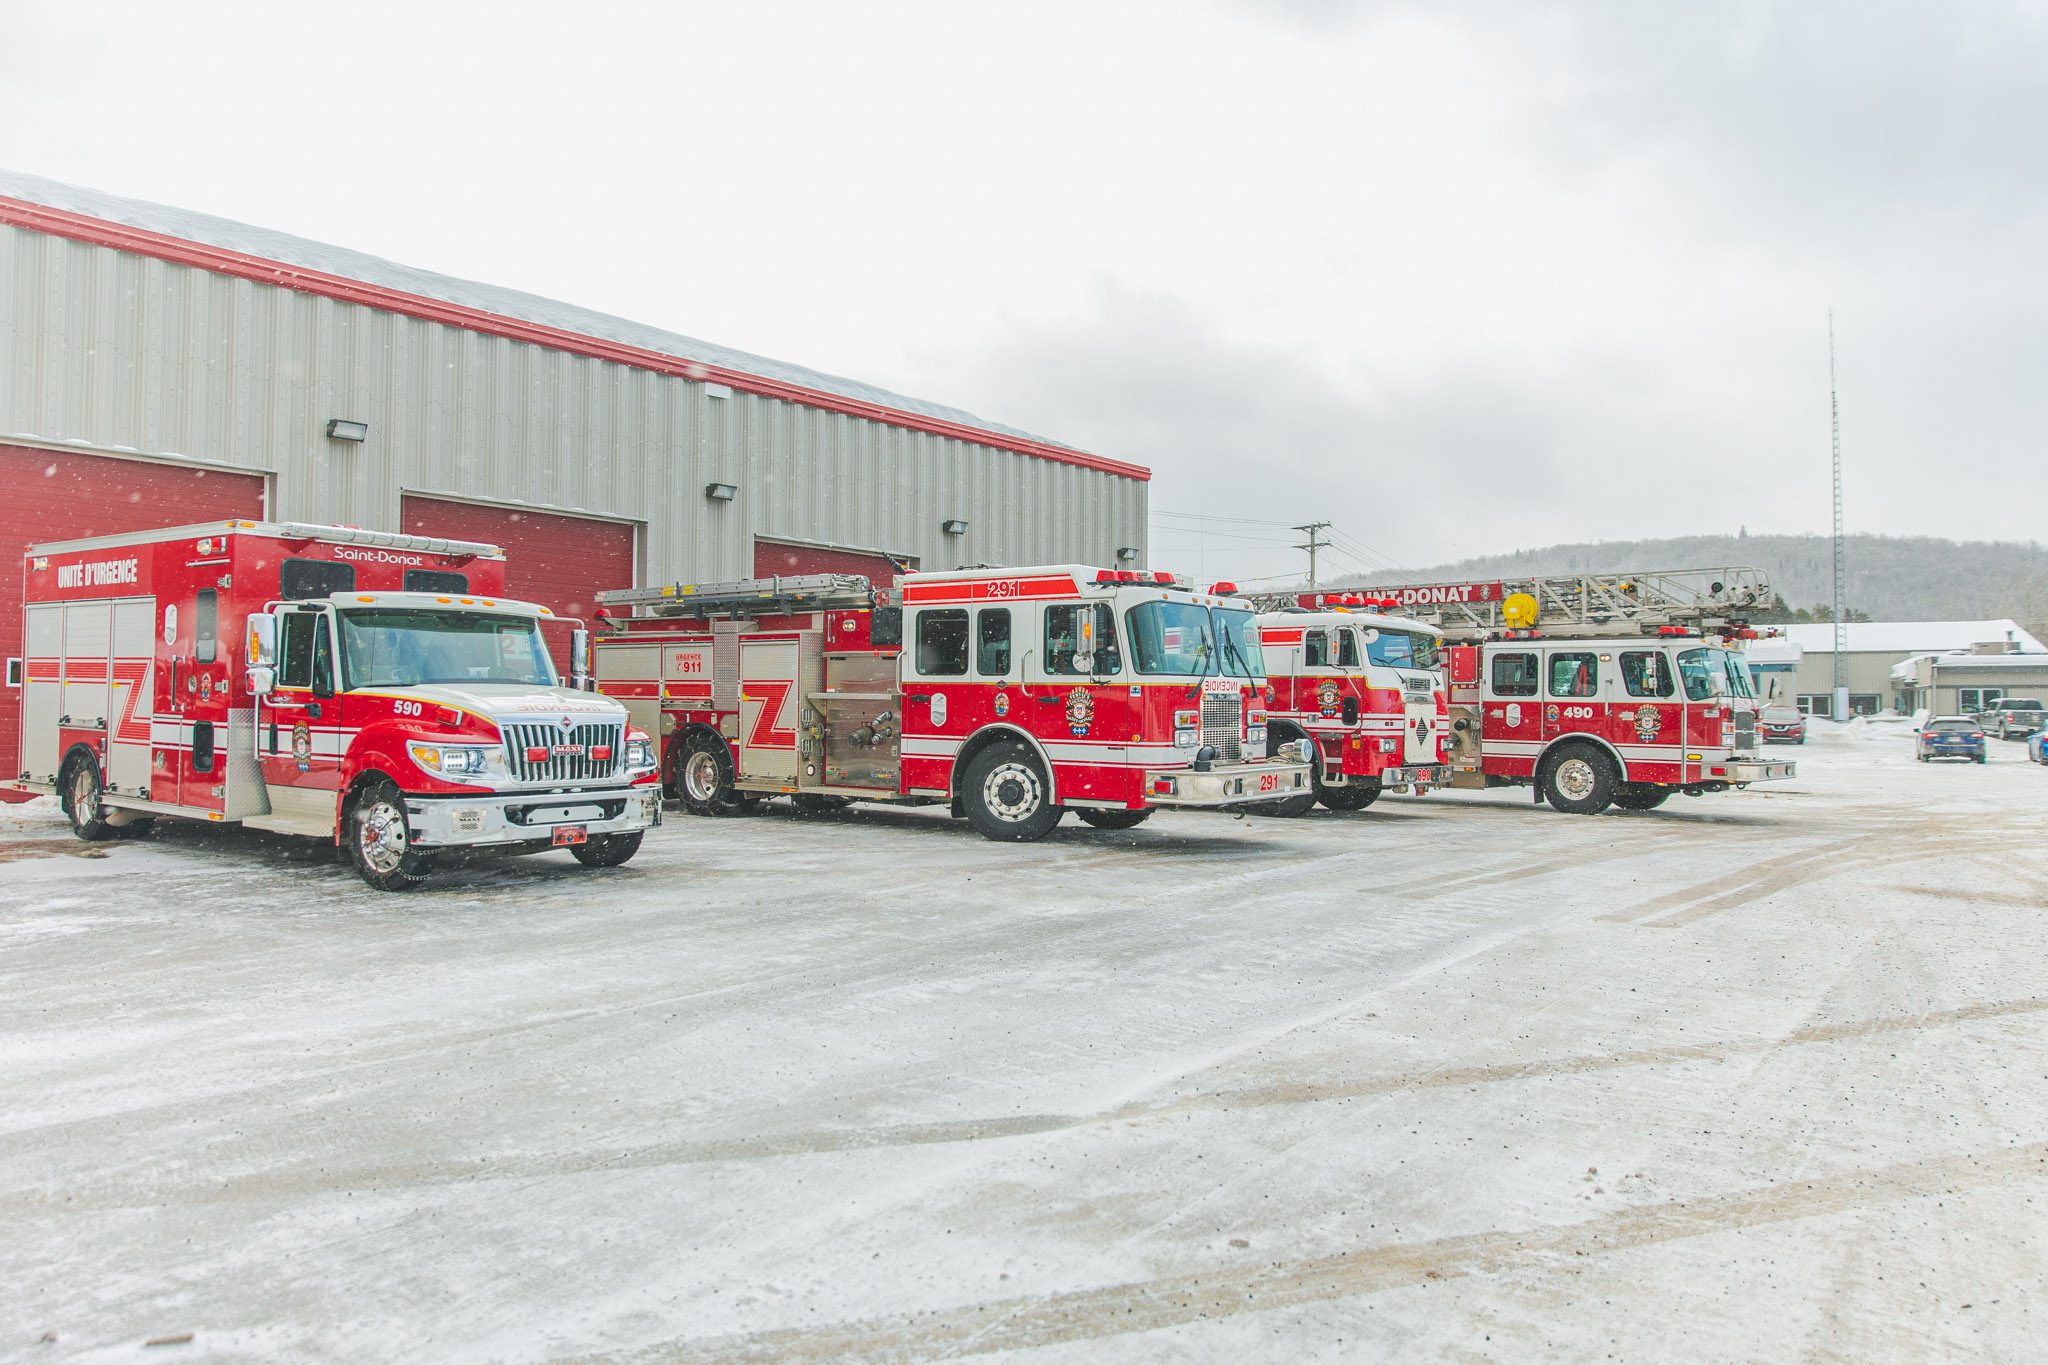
<point x="1758" y="1076"/>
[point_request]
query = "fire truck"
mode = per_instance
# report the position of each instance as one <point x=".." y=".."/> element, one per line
<point x="1362" y="684"/>
<point x="367" y="688"/>
<point x="1013" y="695"/>
<point x="1600" y="689"/>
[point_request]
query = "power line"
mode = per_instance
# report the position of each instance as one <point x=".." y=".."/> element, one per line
<point x="1312" y="531"/>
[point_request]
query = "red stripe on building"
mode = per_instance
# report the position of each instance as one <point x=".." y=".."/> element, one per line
<point x="79" y="227"/>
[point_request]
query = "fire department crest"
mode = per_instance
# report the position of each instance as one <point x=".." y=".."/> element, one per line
<point x="1326" y="697"/>
<point x="302" y="746"/>
<point x="1080" y="710"/>
<point x="1648" y="722"/>
<point x="1002" y="703"/>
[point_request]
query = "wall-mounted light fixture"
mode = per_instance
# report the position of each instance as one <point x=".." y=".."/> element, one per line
<point x="721" y="492"/>
<point x="1127" y="554"/>
<point x="953" y="526"/>
<point x="341" y="429"/>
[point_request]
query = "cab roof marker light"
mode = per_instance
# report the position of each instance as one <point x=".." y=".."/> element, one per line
<point x="363" y="597"/>
<point x="1105" y="575"/>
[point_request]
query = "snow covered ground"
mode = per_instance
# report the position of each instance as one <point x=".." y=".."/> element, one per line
<point x="1759" y="1076"/>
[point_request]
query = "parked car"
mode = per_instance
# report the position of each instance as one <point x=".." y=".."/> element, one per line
<point x="2037" y="746"/>
<point x="1949" y="737"/>
<point x="1781" y="724"/>
<point x="2015" y="717"/>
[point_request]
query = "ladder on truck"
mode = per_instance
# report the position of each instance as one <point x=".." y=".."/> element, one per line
<point x="776" y="596"/>
<point x="1580" y="604"/>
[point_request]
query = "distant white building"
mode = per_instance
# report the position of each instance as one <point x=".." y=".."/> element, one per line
<point x="1878" y="651"/>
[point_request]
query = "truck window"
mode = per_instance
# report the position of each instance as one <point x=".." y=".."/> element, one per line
<point x="299" y="580"/>
<point x="1403" y="649"/>
<point x="1065" y="639"/>
<point x="885" y="628"/>
<point x="1175" y="638"/>
<point x="1703" y="679"/>
<point x="1646" y="673"/>
<point x="1347" y="649"/>
<point x="942" y="643"/>
<point x="206" y="627"/>
<point x="1315" y="650"/>
<point x="1514" y="675"/>
<point x="436" y="580"/>
<point x="297" y="634"/>
<point x="1574" y="675"/>
<point x="992" y="642"/>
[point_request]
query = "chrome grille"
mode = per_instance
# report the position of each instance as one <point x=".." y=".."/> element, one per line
<point x="564" y="767"/>
<point x="1223" y="724"/>
<point x="1745" y="730"/>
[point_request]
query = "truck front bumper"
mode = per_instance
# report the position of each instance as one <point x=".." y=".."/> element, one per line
<point x="1226" y="784"/>
<point x="1415" y="775"/>
<point x="1751" y="770"/>
<point x="528" y="817"/>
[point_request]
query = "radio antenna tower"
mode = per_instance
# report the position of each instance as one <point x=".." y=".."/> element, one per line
<point x="1841" y="697"/>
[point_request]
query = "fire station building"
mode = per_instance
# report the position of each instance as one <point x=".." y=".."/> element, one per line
<point x="160" y="367"/>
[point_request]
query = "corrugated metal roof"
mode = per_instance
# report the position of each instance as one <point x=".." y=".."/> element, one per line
<point x="1912" y="637"/>
<point x="300" y="252"/>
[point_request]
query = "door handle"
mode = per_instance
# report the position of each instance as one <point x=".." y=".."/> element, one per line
<point x="1047" y="701"/>
<point x="924" y="697"/>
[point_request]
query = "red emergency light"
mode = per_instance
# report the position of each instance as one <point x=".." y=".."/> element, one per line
<point x="1162" y="577"/>
<point x="1223" y="589"/>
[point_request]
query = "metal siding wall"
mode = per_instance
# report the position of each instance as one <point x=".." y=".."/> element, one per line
<point x="122" y="352"/>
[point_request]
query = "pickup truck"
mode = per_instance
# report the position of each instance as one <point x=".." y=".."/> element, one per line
<point x="2014" y="717"/>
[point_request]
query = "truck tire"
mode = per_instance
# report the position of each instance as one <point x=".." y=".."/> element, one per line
<point x="1640" y="795"/>
<point x="1006" y="795"/>
<point x="379" y="839"/>
<point x="1114" y="819"/>
<point x="1353" y="795"/>
<point x="704" y="779"/>
<point x="80" y="795"/>
<point x="818" y="803"/>
<point x="1579" y="779"/>
<point x="607" y="850"/>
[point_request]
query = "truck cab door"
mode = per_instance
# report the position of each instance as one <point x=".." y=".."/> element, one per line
<point x="299" y="732"/>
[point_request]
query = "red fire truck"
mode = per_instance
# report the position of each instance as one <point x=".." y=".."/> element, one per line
<point x="1600" y="689"/>
<point x="1012" y="694"/>
<point x="358" y="686"/>
<point x="1361" y="683"/>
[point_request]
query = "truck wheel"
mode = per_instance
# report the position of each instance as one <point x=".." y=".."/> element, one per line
<point x="1641" y="795"/>
<point x="607" y="850"/>
<point x="1006" y="796"/>
<point x="81" y="798"/>
<point x="818" y="803"/>
<point x="705" y="780"/>
<point x="1580" y="780"/>
<point x="1355" y="795"/>
<point x="379" y="840"/>
<point x="1114" y="819"/>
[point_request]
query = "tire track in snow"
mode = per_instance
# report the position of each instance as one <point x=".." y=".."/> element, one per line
<point x="1226" y="1291"/>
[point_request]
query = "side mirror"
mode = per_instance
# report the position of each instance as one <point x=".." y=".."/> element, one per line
<point x="262" y="642"/>
<point x="579" y="660"/>
<point x="262" y="681"/>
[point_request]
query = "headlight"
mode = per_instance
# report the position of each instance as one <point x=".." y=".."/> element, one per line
<point x="454" y="760"/>
<point x="640" y="755"/>
<point x="1183" y="739"/>
<point x="1255" y="734"/>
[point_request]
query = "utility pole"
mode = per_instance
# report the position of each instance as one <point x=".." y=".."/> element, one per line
<point x="1312" y="530"/>
<point x="1841" y="697"/>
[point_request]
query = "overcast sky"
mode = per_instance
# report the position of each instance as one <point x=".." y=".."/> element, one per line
<point x="1459" y="277"/>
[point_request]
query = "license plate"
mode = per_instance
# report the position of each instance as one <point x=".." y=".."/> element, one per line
<point x="571" y="834"/>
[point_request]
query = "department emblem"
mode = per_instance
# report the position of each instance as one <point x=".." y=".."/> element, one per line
<point x="1080" y="710"/>
<point x="1002" y="703"/>
<point x="1326" y="696"/>
<point x="302" y="746"/>
<point x="1513" y="715"/>
<point x="1648" y="722"/>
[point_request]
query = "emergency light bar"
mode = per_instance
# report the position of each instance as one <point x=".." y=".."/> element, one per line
<point x="384" y="540"/>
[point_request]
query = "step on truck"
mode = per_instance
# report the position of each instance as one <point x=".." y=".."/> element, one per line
<point x="366" y="688"/>
<point x="1361" y="682"/>
<point x="1012" y="695"/>
<point x="1598" y="690"/>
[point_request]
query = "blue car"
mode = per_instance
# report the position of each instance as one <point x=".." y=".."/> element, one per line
<point x="1949" y="737"/>
<point x="2037" y="746"/>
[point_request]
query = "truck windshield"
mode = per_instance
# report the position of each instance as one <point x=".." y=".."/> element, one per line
<point x="1402" y="649"/>
<point x="1737" y="673"/>
<point x="1186" y="639"/>
<point x="1702" y="674"/>
<point x="397" y="647"/>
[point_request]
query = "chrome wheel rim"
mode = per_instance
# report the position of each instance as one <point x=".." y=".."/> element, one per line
<point x="85" y="796"/>
<point x="1575" y="779"/>
<point x="700" y="776"/>
<point x="1012" y="791"/>
<point x="380" y="834"/>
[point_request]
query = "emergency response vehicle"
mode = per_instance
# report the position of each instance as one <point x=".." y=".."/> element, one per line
<point x="357" y="686"/>
<point x="1600" y="689"/>
<point x="1014" y="695"/>
<point x="1364" y="685"/>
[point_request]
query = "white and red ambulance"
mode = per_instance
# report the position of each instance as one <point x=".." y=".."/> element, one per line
<point x="364" y="687"/>
<point x="1014" y="695"/>
<point x="1365" y="685"/>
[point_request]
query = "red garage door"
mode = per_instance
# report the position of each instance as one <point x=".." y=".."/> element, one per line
<point x="781" y="557"/>
<point x="558" y="561"/>
<point x="65" y="496"/>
